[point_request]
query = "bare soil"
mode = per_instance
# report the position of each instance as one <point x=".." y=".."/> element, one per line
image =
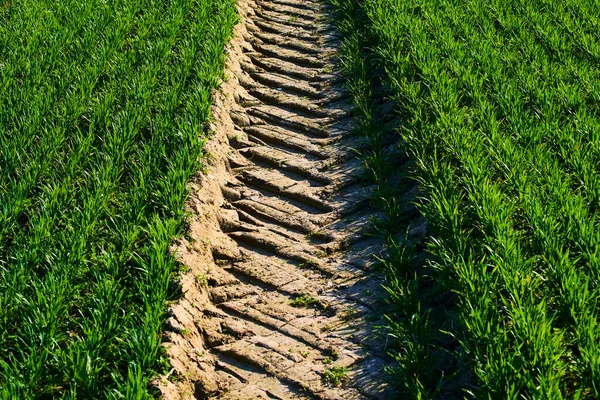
<point x="280" y="284"/>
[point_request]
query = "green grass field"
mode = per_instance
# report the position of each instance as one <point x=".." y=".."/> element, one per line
<point x="103" y="112"/>
<point x="104" y="106"/>
<point x="499" y="102"/>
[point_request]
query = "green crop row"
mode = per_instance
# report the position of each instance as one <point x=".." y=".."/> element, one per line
<point x="103" y="112"/>
<point x="413" y="319"/>
<point x="500" y="109"/>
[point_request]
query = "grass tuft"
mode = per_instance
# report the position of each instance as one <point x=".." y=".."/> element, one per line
<point x="304" y="301"/>
<point x="335" y="376"/>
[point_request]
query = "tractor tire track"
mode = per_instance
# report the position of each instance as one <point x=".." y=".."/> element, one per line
<point x="281" y="214"/>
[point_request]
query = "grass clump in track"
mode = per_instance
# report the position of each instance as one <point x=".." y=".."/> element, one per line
<point x="500" y="114"/>
<point x="335" y="376"/>
<point x="304" y="301"/>
<point x="103" y="107"/>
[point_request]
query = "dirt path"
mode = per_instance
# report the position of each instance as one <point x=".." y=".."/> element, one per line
<point x="279" y="288"/>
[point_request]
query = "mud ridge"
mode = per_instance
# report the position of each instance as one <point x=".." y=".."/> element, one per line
<point x="280" y="287"/>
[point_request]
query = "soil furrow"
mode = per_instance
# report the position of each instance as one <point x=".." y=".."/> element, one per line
<point x="280" y="300"/>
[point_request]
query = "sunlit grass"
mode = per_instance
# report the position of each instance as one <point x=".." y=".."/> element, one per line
<point x="103" y="106"/>
<point x="500" y="107"/>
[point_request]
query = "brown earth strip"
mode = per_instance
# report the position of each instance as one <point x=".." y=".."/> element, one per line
<point x="279" y="287"/>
